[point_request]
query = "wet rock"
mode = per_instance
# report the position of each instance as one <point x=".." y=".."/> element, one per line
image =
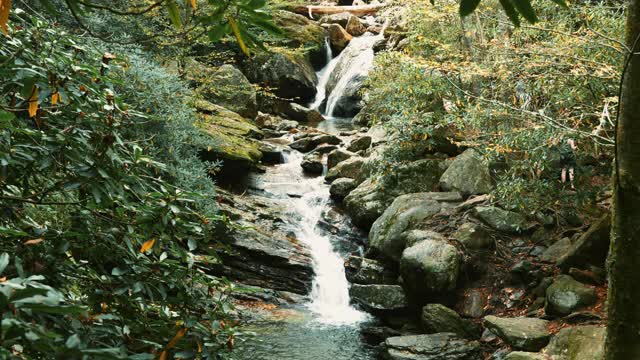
<point x="578" y="343"/>
<point x="302" y="114"/>
<point x="368" y="201"/>
<point x="355" y="27"/>
<point x="473" y="236"/>
<point x="501" y="220"/>
<point x="341" y="187"/>
<point x="556" y="251"/>
<point x="337" y="156"/>
<point x="225" y="86"/>
<point x="441" y="346"/>
<point x="312" y="164"/>
<point x="473" y="304"/>
<point x="566" y="295"/>
<point x="271" y="154"/>
<point x="429" y="268"/>
<point x="325" y="148"/>
<point x="437" y="318"/>
<point x="370" y="272"/>
<point x="388" y="235"/>
<point x="376" y="334"/>
<point x="338" y="37"/>
<point x="287" y="125"/>
<point x="379" y="298"/>
<point x="591" y="248"/>
<point x="468" y="174"/>
<point x="340" y="18"/>
<point x="521" y="355"/>
<point x="528" y="334"/>
<point x="309" y="143"/>
<point x="350" y="168"/>
<point x="302" y="32"/>
<point x="361" y="143"/>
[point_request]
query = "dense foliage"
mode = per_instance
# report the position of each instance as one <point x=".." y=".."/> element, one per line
<point x="103" y="203"/>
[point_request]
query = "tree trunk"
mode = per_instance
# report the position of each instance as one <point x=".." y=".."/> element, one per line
<point x="623" y="330"/>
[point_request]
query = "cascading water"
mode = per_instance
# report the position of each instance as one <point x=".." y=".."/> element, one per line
<point x="323" y="77"/>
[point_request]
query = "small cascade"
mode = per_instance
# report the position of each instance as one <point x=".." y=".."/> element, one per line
<point x="323" y="77"/>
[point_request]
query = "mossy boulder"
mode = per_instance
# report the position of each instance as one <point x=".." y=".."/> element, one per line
<point x="379" y="298"/>
<point x="437" y="318"/>
<point x="430" y="268"/>
<point x="565" y="295"/>
<point x="300" y="32"/>
<point x="577" y="343"/>
<point x="440" y="346"/>
<point x="232" y="136"/>
<point x="522" y="333"/>
<point x="468" y="174"/>
<point x="502" y="220"/>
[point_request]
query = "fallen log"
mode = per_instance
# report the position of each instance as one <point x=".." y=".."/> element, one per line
<point x="357" y="10"/>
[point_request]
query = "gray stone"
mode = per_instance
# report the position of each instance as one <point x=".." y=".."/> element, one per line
<point x="309" y="143"/>
<point x="473" y="236"/>
<point x="379" y="298"/>
<point x="340" y="18"/>
<point x="501" y="220"/>
<point x="338" y="37"/>
<point x="337" y="156"/>
<point x="473" y="304"/>
<point x="371" y="272"/>
<point x="468" y="174"/>
<point x="556" y="251"/>
<point x="591" y="248"/>
<point x="302" y="114"/>
<point x="566" y="295"/>
<point x="521" y="355"/>
<point x="578" y="343"/>
<point x="429" y="268"/>
<point x="350" y="168"/>
<point x="312" y="164"/>
<point x="441" y="346"/>
<point x="359" y="144"/>
<point x="437" y="318"/>
<point x="528" y="334"/>
<point x="341" y="187"/>
<point x="355" y="27"/>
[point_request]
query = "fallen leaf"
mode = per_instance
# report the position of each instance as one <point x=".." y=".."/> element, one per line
<point x="147" y="245"/>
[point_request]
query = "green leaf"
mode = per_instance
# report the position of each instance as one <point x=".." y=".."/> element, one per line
<point x="4" y="261"/>
<point x="256" y="4"/>
<point x="217" y="32"/>
<point x="468" y="6"/>
<point x="511" y="12"/>
<point x="73" y="341"/>
<point x="524" y="7"/>
<point x="60" y="309"/>
<point x="174" y="14"/>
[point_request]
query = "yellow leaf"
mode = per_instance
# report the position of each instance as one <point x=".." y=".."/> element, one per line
<point x="33" y="100"/>
<point x="147" y="245"/>
<point x="5" y="6"/>
<point x="236" y="33"/>
<point x="55" y="97"/>
<point x="176" y="338"/>
<point x="34" y="241"/>
<point x="194" y="5"/>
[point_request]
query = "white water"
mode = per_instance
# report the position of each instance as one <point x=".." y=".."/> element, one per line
<point x="323" y="77"/>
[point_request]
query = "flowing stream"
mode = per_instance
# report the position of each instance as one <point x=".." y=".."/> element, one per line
<point x="327" y="326"/>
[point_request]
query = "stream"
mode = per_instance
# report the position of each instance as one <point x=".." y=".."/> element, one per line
<point x="326" y="326"/>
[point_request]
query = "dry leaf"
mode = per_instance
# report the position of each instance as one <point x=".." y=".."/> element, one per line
<point x="176" y="338"/>
<point x="5" y="6"/>
<point x="194" y="5"/>
<point x="147" y="245"/>
<point x="33" y="100"/>
<point x="55" y="97"/>
<point x="34" y="241"/>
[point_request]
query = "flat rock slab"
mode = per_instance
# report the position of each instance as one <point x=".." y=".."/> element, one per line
<point x="522" y="333"/>
<point x="379" y="298"/>
<point x="440" y="346"/>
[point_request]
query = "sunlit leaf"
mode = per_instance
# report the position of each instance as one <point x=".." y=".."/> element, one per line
<point x="33" y="102"/>
<point x="174" y="14"/>
<point x="147" y="245"/>
<point x="236" y="33"/>
<point x="5" y="7"/>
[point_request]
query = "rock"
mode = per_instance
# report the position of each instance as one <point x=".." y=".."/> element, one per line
<point x="501" y="220"/>
<point x="340" y="18"/>
<point x="309" y="143"/>
<point x="271" y="154"/>
<point x="350" y="168"/>
<point x="473" y="236"/>
<point x="437" y="318"/>
<point x="566" y="295"/>
<point x="528" y="334"/>
<point x="415" y="236"/>
<point x="337" y="156"/>
<point x="341" y="187"/>
<point x="578" y="343"/>
<point x="376" y="334"/>
<point x="468" y="174"/>
<point x="302" y="114"/>
<point x="312" y="164"/>
<point x="388" y="235"/>
<point x="338" y="37"/>
<point x="473" y="304"/>
<point x="430" y="268"/>
<point x="361" y="143"/>
<point x="371" y="272"/>
<point x="287" y="125"/>
<point x="291" y="75"/>
<point x="556" y="251"/>
<point x="591" y="248"/>
<point x="379" y="298"/>
<point x="367" y="202"/>
<point x="325" y="148"/>
<point x="442" y="346"/>
<point x="355" y="27"/>
<point x="225" y="86"/>
<point x="230" y="136"/>
<point x="302" y="33"/>
<point x="521" y="355"/>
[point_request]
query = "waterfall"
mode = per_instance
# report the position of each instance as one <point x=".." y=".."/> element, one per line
<point x="323" y="77"/>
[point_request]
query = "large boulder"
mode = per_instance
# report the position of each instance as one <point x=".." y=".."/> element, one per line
<point x="355" y="26"/>
<point x="225" y="86"/>
<point x="388" y="235"/>
<point x="473" y="236"/>
<point x="441" y="346"/>
<point x="340" y="18"/>
<point x="365" y="271"/>
<point x="429" y="268"/>
<point x="359" y="144"/>
<point x="231" y="136"/>
<point x="501" y="220"/>
<point x="350" y="168"/>
<point x="468" y="174"/>
<point x="437" y="318"/>
<point x="379" y="299"/>
<point x="337" y="156"/>
<point x="338" y="37"/>
<point x="556" y="250"/>
<point x="310" y="142"/>
<point x="578" y="343"/>
<point x="302" y="114"/>
<point x="591" y="248"/>
<point x="565" y="295"/>
<point x="312" y="163"/>
<point x="341" y="187"/>
<point x="302" y="32"/>
<point x="522" y="333"/>
<point x="367" y="202"/>
<point x="291" y="75"/>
